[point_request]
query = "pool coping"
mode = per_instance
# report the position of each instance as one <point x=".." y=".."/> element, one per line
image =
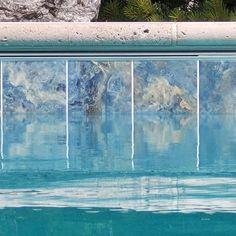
<point x="117" y="37"/>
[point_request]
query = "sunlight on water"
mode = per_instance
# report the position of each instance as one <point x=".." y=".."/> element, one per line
<point x="163" y="175"/>
<point x="146" y="193"/>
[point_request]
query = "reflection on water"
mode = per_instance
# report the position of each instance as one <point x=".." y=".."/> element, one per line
<point x="218" y="142"/>
<point x="103" y="143"/>
<point x="100" y="143"/>
<point x="191" y="193"/>
<point x="102" y="222"/>
<point x="34" y="141"/>
<point x="165" y="143"/>
<point x="101" y="173"/>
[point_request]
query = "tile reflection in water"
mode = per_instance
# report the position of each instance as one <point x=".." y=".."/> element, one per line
<point x="34" y="141"/>
<point x="165" y="143"/>
<point x="100" y="143"/>
<point x="218" y="142"/>
<point x="103" y="143"/>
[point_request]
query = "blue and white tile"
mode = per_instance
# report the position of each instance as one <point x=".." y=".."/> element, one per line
<point x="99" y="86"/>
<point x="167" y="86"/>
<point x="218" y="86"/>
<point x="34" y="86"/>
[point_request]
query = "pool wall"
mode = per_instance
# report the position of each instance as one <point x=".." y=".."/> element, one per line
<point x="156" y="96"/>
<point x="181" y="83"/>
<point x="113" y="36"/>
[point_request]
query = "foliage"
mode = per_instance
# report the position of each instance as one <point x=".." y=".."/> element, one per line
<point x="215" y="10"/>
<point x="212" y="10"/>
<point x="129" y="10"/>
<point x="112" y="11"/>
<point x="141" y="10"/>
<point x="168" y="10"/>
<point x="178" y="14"/>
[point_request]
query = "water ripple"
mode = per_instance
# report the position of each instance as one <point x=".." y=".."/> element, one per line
<point x="141" y="193"/>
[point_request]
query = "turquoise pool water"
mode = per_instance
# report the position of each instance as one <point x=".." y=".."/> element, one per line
<point x="72" y="221"/>
<point x="97" y="182"/>
<point x="120" y="147"/>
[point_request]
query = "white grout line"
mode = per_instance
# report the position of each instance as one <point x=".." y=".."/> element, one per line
<point x="67" y="116"/>
<point x="132" y="113"/>
<point x="198" y="115"/>
<point x="2" y="155"/>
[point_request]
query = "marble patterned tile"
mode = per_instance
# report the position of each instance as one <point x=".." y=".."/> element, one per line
<point x="218" y="86"/>
<point x="34" y="86"/>
<point x="166" y="86"/>
<point x="99" y="86"/>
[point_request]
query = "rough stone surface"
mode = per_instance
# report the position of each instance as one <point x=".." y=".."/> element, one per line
<point x="49" y="10"/>
<point x="117" y="36"/>
<point x="205" y="33"/>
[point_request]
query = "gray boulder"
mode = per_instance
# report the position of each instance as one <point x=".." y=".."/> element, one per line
<point x="49" y="10"/>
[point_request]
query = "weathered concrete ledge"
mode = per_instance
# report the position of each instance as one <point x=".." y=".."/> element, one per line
<point x="110" y="36"/>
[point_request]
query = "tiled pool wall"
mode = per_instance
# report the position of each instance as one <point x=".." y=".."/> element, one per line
<point x="98" y="115"/>
<point x="100" y="87"/>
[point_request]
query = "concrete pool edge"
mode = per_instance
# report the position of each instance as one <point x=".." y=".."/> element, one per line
<point x="117" y="36"/>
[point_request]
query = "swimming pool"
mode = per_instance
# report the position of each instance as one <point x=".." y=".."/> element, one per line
<point x="94" y="143"/>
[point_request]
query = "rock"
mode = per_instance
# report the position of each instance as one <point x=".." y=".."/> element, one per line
<point x="49" y="10"/>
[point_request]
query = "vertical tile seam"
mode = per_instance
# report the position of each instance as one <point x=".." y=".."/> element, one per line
<point x="1" y="69"/>
<point x="67" y="116"/>
<point x="198" y="114"/>
<point x="174" y="34"/>
<point x="132" y="114"/>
